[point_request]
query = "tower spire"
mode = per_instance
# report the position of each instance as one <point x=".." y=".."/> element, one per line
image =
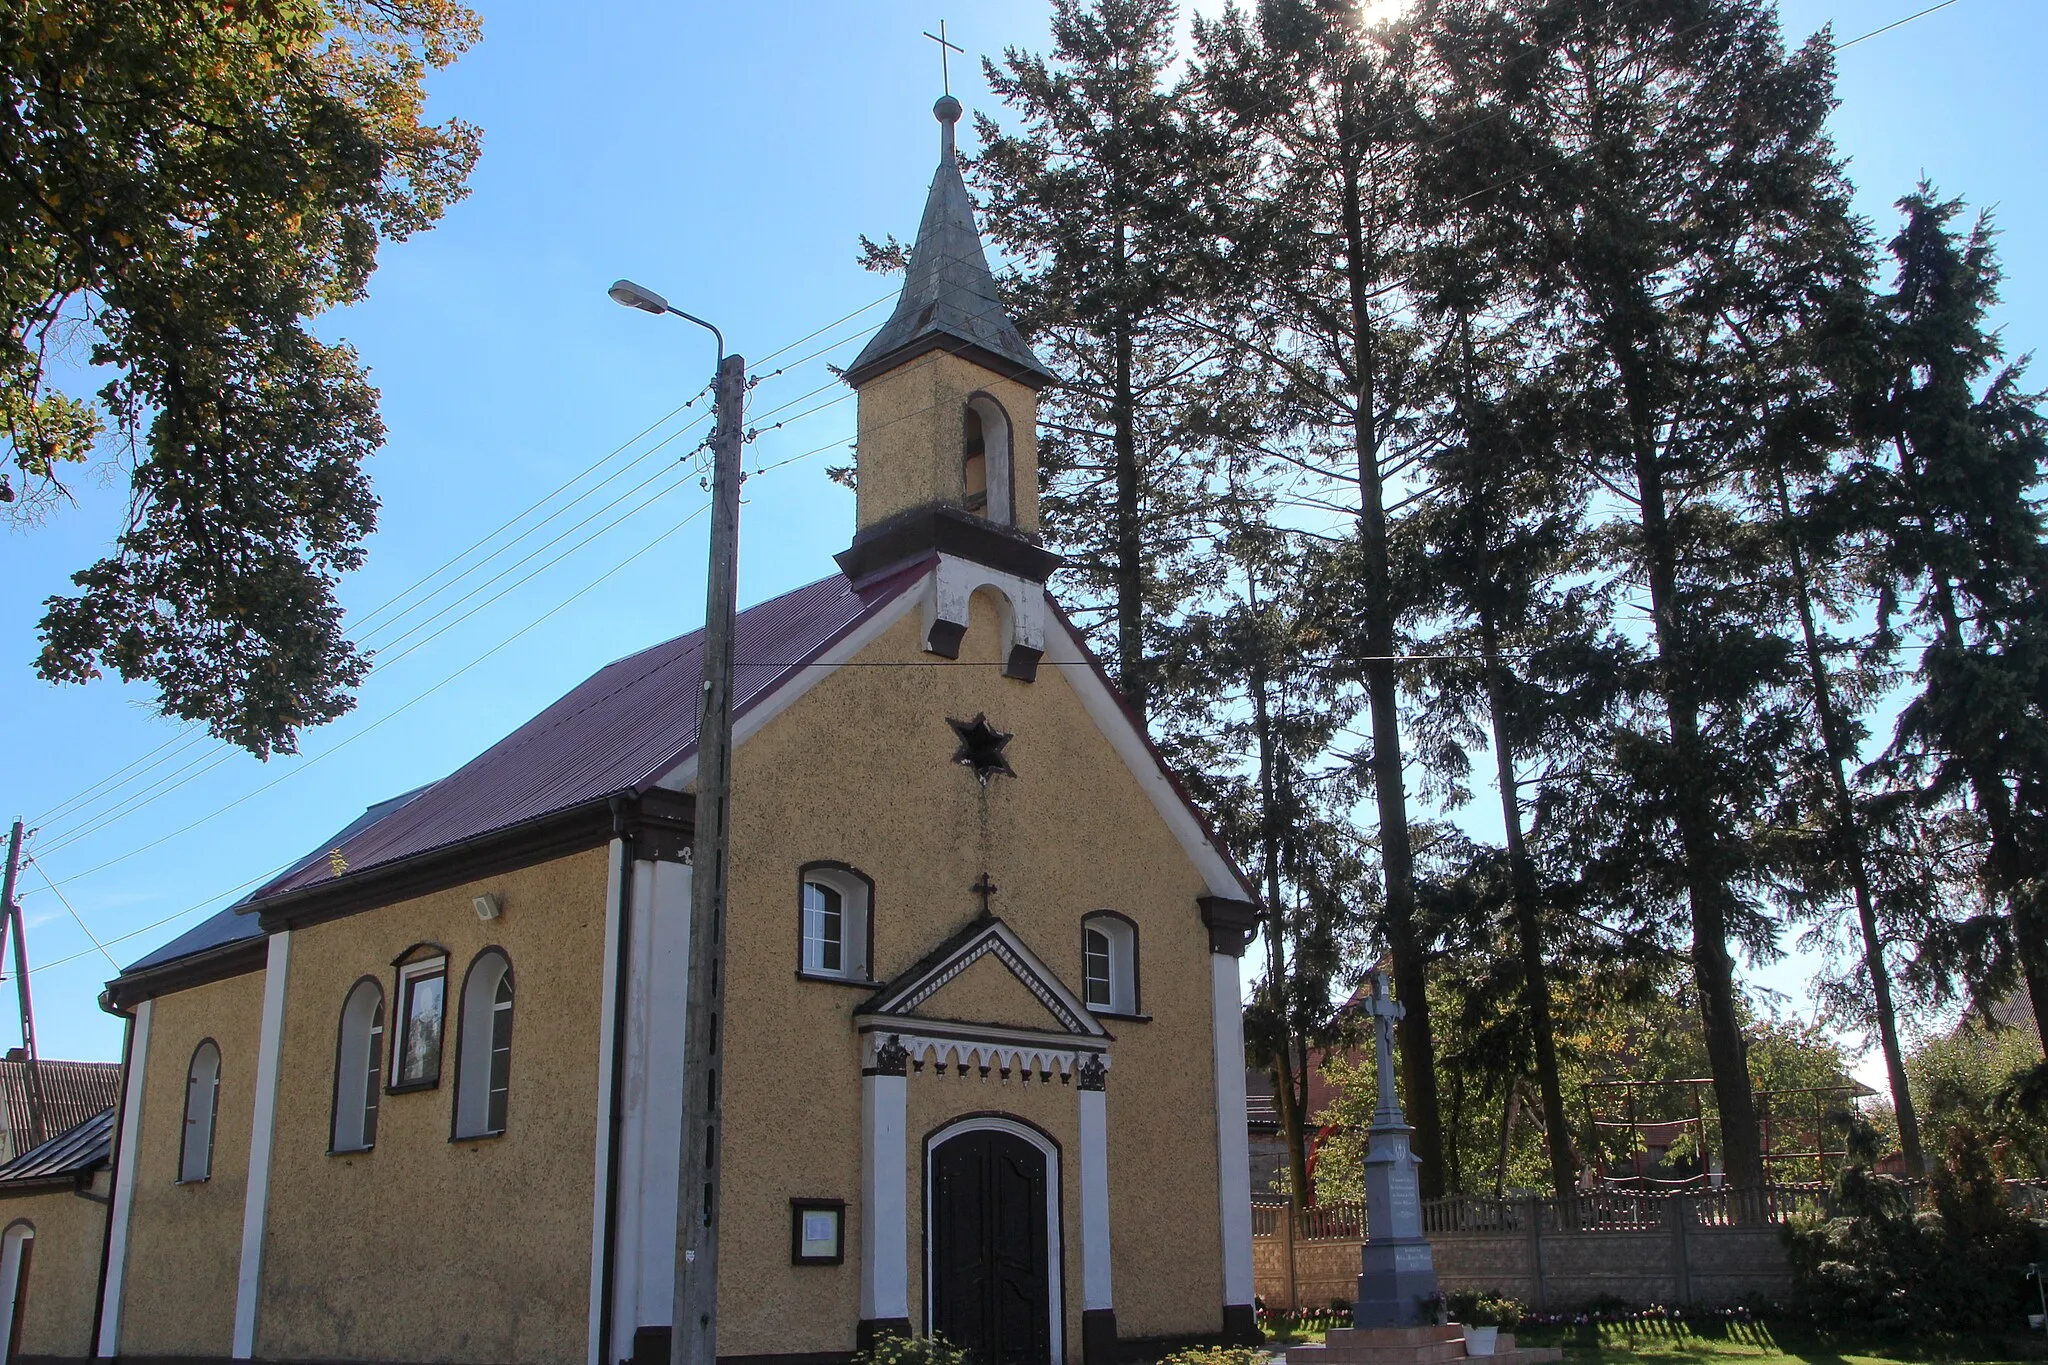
<point x="949" y="298"/>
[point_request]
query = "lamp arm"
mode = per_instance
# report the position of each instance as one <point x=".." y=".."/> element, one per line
<point x="716" y="334"/>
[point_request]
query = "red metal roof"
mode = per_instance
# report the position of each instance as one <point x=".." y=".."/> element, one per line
<point x="72" y="1093"/>
<point x="631" y="722"/>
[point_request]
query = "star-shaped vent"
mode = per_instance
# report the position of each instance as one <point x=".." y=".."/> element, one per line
<point x="981" y="747"/>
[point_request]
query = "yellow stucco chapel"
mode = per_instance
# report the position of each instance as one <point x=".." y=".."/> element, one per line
<point x="419" y="1098"/>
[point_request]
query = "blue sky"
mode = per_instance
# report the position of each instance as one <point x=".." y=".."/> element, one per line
<point x="726" y="155"/>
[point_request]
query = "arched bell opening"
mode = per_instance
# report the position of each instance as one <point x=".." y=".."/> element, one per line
<point x="986" y="463"/>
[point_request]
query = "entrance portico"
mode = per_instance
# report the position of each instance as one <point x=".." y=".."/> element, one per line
<point x="977" y="1169"/>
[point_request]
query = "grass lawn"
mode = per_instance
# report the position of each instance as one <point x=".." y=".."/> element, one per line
<point x="1679" y="1343"/>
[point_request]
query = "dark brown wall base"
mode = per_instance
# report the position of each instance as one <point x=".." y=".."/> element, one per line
<point x="871" y="1329"/>
<point x="1098" y="1336"/>
<point x="651" y="1347"/>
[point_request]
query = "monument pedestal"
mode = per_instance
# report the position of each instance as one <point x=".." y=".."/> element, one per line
<point x="1432" y="1345"/>
<point x="1397" y="1270"/>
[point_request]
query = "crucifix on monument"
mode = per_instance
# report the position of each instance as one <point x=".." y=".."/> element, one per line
<point x="1397" y="1270"/>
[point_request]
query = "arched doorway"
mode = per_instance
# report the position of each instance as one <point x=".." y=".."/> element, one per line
<point x="15" y="1246"/>
<point x="992" y="1241"/>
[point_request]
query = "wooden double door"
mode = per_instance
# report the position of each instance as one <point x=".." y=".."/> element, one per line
<point x="989" y="1255"/>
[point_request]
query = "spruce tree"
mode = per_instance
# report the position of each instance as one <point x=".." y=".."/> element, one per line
<point x="1098" y="197"/>
<point x="1954" y="475"/>
<point x="1264" y="665"/>
<point x="1316" y="99"/>
<point x="1663" y="167"/>
<point x="1804" y="367"/>
<point x="1521" y="661"/>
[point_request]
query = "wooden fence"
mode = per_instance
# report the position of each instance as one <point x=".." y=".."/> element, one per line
<point x="1702" y="1247"/>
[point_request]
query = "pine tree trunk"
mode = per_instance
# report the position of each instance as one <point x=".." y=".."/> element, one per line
<point x="1291" y="1130"/>
<point x="1397" y="859"/>
<point x="1564" y="1175"/>
<point x="1509" y="1111"/>
<point x="1130" y="559"/>
<point x="1713" y="966"/>
<point x="1849" y="835"/>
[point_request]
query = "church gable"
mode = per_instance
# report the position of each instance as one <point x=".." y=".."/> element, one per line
<point x="986" y="966"/>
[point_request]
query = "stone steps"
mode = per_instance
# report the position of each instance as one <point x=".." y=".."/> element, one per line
<point x="1413" y="1346"/>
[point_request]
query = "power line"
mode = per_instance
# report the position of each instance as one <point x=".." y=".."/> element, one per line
<point x="1896" y="23"/>
<point x="130" y="802"/>
<point x="40" y="872"/>
<point x="77" y="833"/>
<point x="85" y="796"/>
<point x="381" y="720"/>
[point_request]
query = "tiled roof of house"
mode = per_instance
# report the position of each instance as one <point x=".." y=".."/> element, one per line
<point x="77" y="1149"/>
<point x="72" y="1093"/>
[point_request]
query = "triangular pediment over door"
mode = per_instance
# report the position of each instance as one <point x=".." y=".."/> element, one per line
<point x="982" y="1001"/>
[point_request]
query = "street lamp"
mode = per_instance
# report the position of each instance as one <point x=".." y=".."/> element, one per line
<point x="694" y="1337"/>
<point x="647" y="301"/>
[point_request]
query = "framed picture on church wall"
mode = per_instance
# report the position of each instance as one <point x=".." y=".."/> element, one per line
<point x="817" y="1231"/>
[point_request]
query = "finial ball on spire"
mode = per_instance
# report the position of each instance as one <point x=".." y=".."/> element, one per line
<point x="947" y="110"/>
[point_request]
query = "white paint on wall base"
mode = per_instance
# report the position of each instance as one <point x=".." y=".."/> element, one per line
<point x="262" y="1130"/>
<point x="657" y="986"/>
<point x="884" y="1197"/>
<point x="1095" y="1285"/>
<point x="1233" y="1155"/>
<point x="124" y="1184"/>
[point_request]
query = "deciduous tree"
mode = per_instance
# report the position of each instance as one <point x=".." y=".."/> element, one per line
<point x="184" y="187"/>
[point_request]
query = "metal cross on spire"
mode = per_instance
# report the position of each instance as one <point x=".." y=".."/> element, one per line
<point x="945" y="46"/>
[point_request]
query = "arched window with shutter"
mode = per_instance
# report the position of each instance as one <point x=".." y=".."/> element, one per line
<point x="202" y="1113"/>
<point x="358" y="1068"/>
<point x="483" y="1065"/>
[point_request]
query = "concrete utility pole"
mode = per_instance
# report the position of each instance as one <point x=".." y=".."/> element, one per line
<point x="695" y="1339"/>
<point x="34" y="1088"/>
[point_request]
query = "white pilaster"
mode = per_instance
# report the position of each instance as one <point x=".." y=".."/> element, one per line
<point x="884" y="1194"/>
<point x="657" y="1000"/>
<point x="1233" y="1151"/>
<point x="256" y="1204"/>
<point x="124" y="1183"/>
<point x="1095" y="1291"/>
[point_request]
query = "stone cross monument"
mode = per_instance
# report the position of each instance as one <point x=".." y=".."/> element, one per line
<point x="1397" y="1270"/>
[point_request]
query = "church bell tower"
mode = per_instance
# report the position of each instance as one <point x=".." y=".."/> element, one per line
<point x="946" y="457"/>
<point x="947" y="449"/>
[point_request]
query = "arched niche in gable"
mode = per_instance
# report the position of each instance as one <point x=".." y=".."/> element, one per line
<point x="1020" y="611"/>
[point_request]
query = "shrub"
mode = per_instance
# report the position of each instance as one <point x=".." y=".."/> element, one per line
<point x="900" y="1350"/>
<point x="1483" y="1309"/>
<point x="1216" y="1355"/>
<point x="1958" y="1268"/>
